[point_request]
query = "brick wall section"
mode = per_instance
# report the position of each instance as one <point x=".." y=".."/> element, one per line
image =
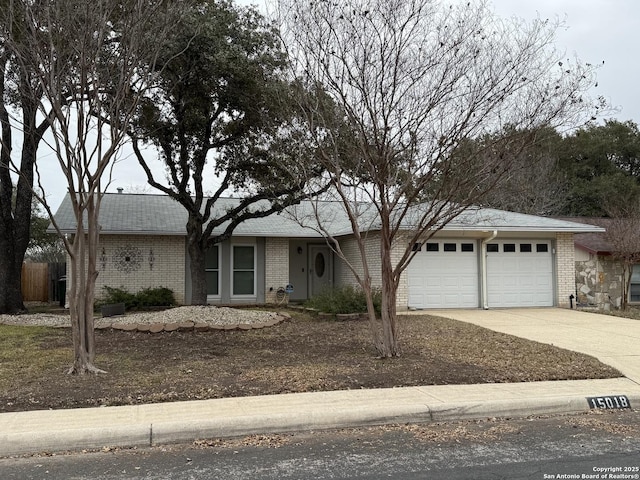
<point x="350" y="249"/>
<point x="168" y="269"/>
<point x="276" y="267"/>
<point x="565" y="268"/>
<point x="402" y="299"/>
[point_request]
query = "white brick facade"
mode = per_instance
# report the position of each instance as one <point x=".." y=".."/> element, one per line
<point x="349" y="246"/>
<point x="402" y="298"/>
<point x="276" y="267"/>
<point x="350" y="249"/>
<point x="135" y="262"/>
<point x="565" y="268"/>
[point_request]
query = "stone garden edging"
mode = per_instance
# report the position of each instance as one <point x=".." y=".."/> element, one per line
<point x="188" y="326"/>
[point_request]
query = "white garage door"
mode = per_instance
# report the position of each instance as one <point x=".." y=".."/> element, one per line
<point x="519" y="273"/>
<point x="444" y="274"/>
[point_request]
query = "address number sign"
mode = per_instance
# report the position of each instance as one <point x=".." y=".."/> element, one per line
<point x="609" y="402"/>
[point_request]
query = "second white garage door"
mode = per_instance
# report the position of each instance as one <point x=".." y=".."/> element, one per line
<point x="444" y="274"/>
<point x="520" y="273"/>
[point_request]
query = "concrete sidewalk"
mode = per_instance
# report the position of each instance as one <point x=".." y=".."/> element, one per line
<point x="613" y="340"/>
<point x="153" y="424"/>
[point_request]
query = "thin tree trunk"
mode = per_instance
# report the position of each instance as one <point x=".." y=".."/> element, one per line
<point x="373" y="316"/>
<point x="388" y="315"/>
<point x="81" y="296"/>
<point x="626" y="284"/>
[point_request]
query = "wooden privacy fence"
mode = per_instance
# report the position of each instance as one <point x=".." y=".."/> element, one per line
<point x="41" y="281"/>
<point x="35" y="282"/>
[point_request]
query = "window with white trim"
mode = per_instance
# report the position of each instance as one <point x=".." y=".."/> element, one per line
<point x="212" y="270"/>
<point x="243" y="281"/>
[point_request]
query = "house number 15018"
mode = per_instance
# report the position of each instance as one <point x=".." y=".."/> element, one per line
<point x="609" y="402"/>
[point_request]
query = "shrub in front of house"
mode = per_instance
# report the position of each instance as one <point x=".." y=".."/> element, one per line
<point x="155" y="297"/>
<point x="145" y="298"/>
<point x="114" y="295"/>
<point x="347" y="299"/>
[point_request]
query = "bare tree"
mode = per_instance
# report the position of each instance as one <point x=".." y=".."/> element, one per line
<point x="83" y="57"/>
<point x="534" y="183"/>
<point x="19" y="94"/>
<point x="623" y="234"/>
<point x="410" y="81"/>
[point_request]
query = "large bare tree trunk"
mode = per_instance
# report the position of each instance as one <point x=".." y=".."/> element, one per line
<point x="10" y="278"/>
<point x="197" y="256"/>
<point x="15" y="200"/>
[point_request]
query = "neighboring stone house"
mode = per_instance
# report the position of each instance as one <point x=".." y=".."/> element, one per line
<point x="484" y="259"/>
<point x="599" y="277"/>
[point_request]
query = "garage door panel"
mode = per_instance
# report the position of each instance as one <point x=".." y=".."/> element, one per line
<point x="527" y="282"/>
<point x="444" y="279"/>
<point x="453" y="282"/>
<point x="509" y="263"/>
<point x="520" y="278"/>
<point x="541" y="281"/>
<point x="432" y="282"/>
<point x="469" y="282"/>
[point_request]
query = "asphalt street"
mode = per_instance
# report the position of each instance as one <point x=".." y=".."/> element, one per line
<point x="590" y="445"/>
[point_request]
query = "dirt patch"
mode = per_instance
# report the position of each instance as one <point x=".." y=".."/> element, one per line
<point x="306" y="353"/>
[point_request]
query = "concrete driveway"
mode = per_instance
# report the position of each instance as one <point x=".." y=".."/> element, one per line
<point x="612" y="340"/>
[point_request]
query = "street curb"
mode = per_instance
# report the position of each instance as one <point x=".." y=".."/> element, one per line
<point x="170" y="432"/>
<point x="126" y="433"/>
<point x="74" y="439"/>
<point x="511" y="408"/>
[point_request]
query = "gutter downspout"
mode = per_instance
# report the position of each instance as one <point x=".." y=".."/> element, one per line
<point x="483" y="267"/>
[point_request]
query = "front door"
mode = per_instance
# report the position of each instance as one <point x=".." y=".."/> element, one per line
<point x="320" y="269"/>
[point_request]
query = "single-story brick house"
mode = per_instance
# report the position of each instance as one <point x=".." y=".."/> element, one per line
<point x="485" y="258"/>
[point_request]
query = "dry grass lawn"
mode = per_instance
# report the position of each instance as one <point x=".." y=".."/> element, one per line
<point x="304" y="354"/>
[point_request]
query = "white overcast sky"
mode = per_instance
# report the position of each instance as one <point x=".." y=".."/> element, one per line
<point x="596" y="31"/>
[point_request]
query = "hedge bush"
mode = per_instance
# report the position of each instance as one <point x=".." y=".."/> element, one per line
<point x="145" y="298"/>
<point x="347" y="299"/>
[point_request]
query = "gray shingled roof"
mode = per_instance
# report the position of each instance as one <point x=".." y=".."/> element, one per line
<point x="594" y="242"/>
<point x="130" y="214"/>
<point x="144" y="214"/>
<point x="491" y="219"/>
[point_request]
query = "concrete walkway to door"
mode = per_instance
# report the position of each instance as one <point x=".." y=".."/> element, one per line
<point x="612" y="340"/>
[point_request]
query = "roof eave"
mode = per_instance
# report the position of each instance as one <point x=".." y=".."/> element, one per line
<point x="593" y="251"/>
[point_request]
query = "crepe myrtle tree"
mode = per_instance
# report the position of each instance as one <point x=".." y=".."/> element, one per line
<point x="623" y="234"/>
<point x="83" y="58"/>
<point x="410" y="80"/>
<point x="216" y="114"/>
